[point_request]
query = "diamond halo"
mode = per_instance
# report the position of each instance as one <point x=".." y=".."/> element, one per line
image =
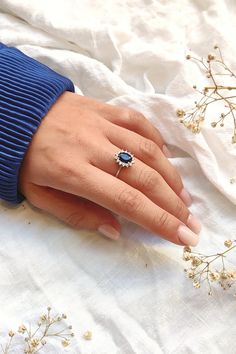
<point x="124" y="158"/>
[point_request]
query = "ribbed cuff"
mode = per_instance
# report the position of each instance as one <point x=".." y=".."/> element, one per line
<point x="27" y="91"/>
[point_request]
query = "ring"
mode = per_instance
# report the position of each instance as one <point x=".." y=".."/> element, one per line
<point x="124" y="159"/>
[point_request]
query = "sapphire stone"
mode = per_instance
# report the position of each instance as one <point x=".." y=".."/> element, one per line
<point x="125" y="157"/>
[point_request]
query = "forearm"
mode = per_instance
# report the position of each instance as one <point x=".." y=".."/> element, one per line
<point x="27" y="91"/>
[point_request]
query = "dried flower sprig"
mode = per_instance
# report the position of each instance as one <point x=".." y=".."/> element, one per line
<point x="8" y="345"/>
<point x="35" y="340"/>
<point x="214" y="65"/>
<point x="203" y="267"/>
<point x="88" y="335"/>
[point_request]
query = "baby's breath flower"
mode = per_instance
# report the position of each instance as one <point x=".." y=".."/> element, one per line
<point x="212" y="93"/>
<point x="196" y="261"/>
<point x="22" y="329"/>
<point x="224" y="275"/>
<point x="228" y="243"/>
<point x="191" y="274"/>
<point x="65" y="342"/>
<point x="196" y="129"/>
<point x="44" y="330"/>
<point x="214" y="276"/>
<point x="35" y="342"/>
<point x="232" y="274"/>
<point x="43" y="317"/>
<point x="187" y="249"/>
<point x="88" y="335"/>
<point x="210" y="57"/>
<point x="180" y="113"/>
<point x="196" y="284"/>
<point x="11" y="333"/>
<point x="186" y="256"/>
<point x="201" y="267"/>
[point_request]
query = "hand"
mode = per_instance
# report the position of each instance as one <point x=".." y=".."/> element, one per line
<point x="69" y="171"/>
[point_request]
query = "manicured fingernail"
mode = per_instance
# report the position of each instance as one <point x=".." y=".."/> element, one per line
<point x="185" y="196"/>
<point x="187" y="236"/>
<point x="166" y="151"/>
<point x="109" y="231"/>
<point x="194" y="224"/>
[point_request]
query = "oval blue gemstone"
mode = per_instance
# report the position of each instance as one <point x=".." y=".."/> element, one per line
<point x="125" y="157"/>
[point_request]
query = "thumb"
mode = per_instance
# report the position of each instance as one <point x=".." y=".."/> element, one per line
<point x="77" y="212"/>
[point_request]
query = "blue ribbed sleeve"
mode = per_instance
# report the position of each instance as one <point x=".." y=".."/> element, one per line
<point x="27" y="91"/>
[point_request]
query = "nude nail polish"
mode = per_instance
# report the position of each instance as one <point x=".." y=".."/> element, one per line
<point x="186" y="198"/>
<point x="166" y="151"/>
<point x="109" y="231"/>
<point x="186" y="236"/>
<point x="194" y="224"/>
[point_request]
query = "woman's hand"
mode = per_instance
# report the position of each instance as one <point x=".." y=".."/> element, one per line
<point x="69" y="171"/>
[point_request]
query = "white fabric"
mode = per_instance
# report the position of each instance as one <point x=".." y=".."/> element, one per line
<point x="129" y="53"/>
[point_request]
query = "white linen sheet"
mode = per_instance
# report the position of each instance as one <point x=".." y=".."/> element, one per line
<point x="132" y="294"/>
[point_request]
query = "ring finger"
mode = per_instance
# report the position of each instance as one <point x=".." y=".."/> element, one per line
<point x="150" y="153"/>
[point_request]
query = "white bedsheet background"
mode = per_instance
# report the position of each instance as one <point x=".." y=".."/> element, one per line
<point x="129" y="53"/>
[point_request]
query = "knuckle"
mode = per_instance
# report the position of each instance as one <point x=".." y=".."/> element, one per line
<point x="163" y="220"/>
<point x="63" y="168"/>
<point x="148" y="180"/>
<point x="66" y="169"/>
<point x="174" y="172"/>
<point x="132" y="116"/>
<point x="126" y="113"/>
<point x="129" y="200"/>
<point x="180" y="210"/>
<point x="75" y="219"/>
<point x="76" y="138"/>
<point x="175" y="177"/>
<point x="148" y="148"/>
<point x="136" y="116"/>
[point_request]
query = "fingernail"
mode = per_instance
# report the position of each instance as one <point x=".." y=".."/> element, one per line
<point x="109" y="231"/>
<point x="186" y="198"/>
<point x="166" y="151"/>
<point x="187" y="237"/>
<point x="194" y="224"/>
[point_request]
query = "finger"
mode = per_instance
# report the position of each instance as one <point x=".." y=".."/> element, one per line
<point x="117" y="196"/>
<point x="150" y="153"/>
<point x="145" y="179"/>
<point x="136" y="122"/>
<point x="77" y="212"/>
<point x="127" y="118"/>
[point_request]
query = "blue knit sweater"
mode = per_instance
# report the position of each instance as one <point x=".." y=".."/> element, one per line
<point x="27" y="91"/>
